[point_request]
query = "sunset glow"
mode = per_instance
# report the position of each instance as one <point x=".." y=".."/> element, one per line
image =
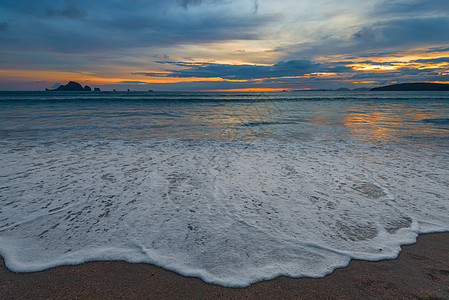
<point x="222" y="45"/>
<point x="248" y="90"/>
<point x="366" y="67"/>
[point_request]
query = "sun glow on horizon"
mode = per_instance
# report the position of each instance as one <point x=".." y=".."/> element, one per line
<point x="427" y="65"/>
<point x="250" y="90"/>
<point x="370" y="67"/>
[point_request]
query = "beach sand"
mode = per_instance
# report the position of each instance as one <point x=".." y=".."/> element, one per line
<point x="420" y="272"/>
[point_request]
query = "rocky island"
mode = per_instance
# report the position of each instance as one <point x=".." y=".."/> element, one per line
<point x="73" y="86"/>
<point x="416" y="86"/>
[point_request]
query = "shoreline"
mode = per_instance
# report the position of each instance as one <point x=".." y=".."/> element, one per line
<point x="421" y="271"/>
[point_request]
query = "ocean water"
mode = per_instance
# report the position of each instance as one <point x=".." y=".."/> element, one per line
<point x="233" y="188"/>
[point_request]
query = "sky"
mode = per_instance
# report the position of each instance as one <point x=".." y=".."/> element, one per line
<point x="232" y="45"/>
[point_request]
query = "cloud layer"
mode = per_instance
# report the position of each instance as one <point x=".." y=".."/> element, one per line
<point x="253" y="40"/>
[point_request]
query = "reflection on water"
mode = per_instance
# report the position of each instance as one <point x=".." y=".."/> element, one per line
<point x="387" y="117"/>
<point x="389" y="122"/>
<point x="237" y="121"/>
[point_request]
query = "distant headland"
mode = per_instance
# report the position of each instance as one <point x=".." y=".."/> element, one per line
<point x="416" y="86"/>
<point x="73" y="86"/>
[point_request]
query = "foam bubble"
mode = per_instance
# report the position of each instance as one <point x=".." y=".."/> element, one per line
<point x="232" y="213"/>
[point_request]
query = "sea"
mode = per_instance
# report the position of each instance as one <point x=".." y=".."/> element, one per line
<point x="233" y="188"/>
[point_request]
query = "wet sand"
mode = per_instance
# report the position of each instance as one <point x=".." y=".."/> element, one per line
<point x="420" y="272"/>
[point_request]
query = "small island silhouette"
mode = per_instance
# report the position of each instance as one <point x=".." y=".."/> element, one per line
<point x="415" y="86"/>
<point x="73" y="86"/>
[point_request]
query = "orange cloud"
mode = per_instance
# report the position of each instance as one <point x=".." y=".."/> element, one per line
<point x="371" y="67"/>
<point x="57" y="76"/>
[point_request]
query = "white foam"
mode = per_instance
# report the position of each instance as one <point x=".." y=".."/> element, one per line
<point x="232" y="213"/>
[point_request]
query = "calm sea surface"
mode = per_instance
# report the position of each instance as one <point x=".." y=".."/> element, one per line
<point x="230" y="187"/>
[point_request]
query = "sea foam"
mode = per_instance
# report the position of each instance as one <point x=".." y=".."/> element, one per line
<point x="229" y="212"/>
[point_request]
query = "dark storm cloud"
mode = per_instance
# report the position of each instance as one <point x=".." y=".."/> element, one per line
<point x="120" y="24"/>
<point x="94" y="36"/>
<point x="248" y="72"/>
<point x="66" y="27"/>
<point x="70" y="10"/>
<point x="240" y="72"/>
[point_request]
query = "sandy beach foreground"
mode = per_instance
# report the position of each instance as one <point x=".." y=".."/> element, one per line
<point x="420" y="272"/>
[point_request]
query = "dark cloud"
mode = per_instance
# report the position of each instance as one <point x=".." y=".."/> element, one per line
<point x="415" y="31"/>
<point x="126" y="24"/>
<point x="133" y="82"/>
<point x="61" y="35"/>
<point x="433" y="61"/>
<point x="437" y="49"/>
<point x="70" y="10"/>
<point x="242" y="72"/>
<point x="411" y="72"/>
<point x="155" y="28"/>
<point x="255" y="6"/>
<point x="130" y="23"/>
<point x="380" y="38"/>
<point x="364" y="34"/>
<point x="247" y="72"/>
<point x="3" y="26"/>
